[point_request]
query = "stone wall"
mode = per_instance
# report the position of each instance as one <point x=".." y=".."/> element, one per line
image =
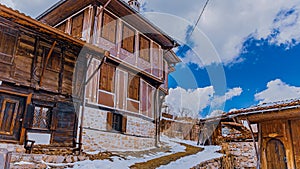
<point x="140" y="127"/>
<point x="179" y="129"/>
<point x="139" y="133"/>
<point x="99" y="140"/>
<point x="210" y="164"/>
<point x="243" y="154"/>
<point x="95" y="119"/>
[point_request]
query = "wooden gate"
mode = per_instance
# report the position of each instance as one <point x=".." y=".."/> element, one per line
<point x="11" y="112"/>
<point x="276" y="158"/>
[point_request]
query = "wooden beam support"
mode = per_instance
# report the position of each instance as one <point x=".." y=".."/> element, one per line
<point x="46" y="63"/>
<point x="254" y="144"/>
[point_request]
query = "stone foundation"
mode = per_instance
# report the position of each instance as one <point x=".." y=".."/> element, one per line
<point x="97" y="141"/>
<point x="243" y="154"/>
<point x="139" y="133"/>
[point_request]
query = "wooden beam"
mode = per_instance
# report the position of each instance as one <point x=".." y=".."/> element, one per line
<point x="46" y="63"/>
<point x="233" y="124"/>
<point x="254" y="144"/>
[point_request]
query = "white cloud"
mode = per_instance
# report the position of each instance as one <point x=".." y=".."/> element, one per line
<point x="190" y="102"/>
<point x="219" y="100"/>
<point x="30" y="7"/>
<point x="277" y="91"/>
<point x="215" y="113"/>
<point x="229" y="23"/>
<point x="8" y="3"/>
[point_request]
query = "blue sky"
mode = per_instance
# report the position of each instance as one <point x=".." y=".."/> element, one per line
<point x="242" y="53"/>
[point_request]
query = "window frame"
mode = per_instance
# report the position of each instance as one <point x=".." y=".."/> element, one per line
<point x="103" y="26"/>
<point x="131" y="87"/>
<point x="123" y="39"/>
<point x="116" y="122"/>
<point x="9" y="31"/>
<point x="106" y="87"/>
<point x="56" y="54"/>
<point x="49" y="120"/>
<point x="143" y="37"/>
<point x="72" y="22"/>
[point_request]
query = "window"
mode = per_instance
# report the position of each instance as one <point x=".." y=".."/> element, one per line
<point x="8" y="38"/>
<point x="133" y="87"/>
<point x="62" y="27"/>
<point x="128" y="38"/>
<point x="144" y="48"/>
<point x="109" y="27"/>
<point x="116" y="122"/>
<point x="77" y="25"/>
<point x="107" y="74"/>
<point x="54" y="61"/>
<point x="41" y="117"/>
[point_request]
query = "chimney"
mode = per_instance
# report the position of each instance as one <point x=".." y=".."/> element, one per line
<point x="134" y="4"/>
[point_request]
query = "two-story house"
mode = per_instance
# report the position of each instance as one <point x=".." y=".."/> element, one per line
<point x="37" y="66"/>
<point x="124" y="90"/>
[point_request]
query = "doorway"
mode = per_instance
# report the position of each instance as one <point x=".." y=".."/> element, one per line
<point x="11" y="113"/>
<point x="276" y="157"/>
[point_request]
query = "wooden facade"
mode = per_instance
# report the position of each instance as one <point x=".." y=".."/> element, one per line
<point x="38" y="83"/>
<point x="278" y="133"/>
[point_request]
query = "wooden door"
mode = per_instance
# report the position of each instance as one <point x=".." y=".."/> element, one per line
<point x="11" y="112"/>
<point x="276" y="158"/>
<point x="295" y="128"/>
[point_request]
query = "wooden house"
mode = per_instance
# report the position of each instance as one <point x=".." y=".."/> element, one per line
<point x="274" y="128"/>
<point x="123" y="95"/>
<point x="37" y="66"/>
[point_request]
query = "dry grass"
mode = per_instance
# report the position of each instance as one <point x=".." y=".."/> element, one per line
<point x="152" y="164"/>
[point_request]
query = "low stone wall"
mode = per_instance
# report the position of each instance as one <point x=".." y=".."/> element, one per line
<point x="210" y="164"/>
<point x="243" y="154"/>
<point x="22" y="160"/>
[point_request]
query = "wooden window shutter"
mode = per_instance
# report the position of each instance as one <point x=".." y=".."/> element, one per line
<point x="77" y="25"/>
<point x="107" y="74"/>
<point x="124" y="124"/>
<point x="54" y="120"/>
<point x="128" y="38"/>
<point x="109" y="27"/>
<point x="8" y="39"/>
<point x="103" y="77"/>
<point x="133" y="86"/>
<point x="29" y="116"/>
<point x="136" y="87"/>
<point x="144" y="48"/>
<point x="109" y="120"/>
<point x="111" y="75"/>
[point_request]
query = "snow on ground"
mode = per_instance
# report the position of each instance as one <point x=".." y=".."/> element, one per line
<point x="185" y="162"/>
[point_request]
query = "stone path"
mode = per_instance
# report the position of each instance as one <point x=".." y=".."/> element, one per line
<point x="155" y="163"/>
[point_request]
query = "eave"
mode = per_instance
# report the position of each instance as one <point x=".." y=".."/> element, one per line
<point x="65" y="8"/>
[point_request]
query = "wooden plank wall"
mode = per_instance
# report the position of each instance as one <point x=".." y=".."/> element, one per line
<point x="279" y="130"/>
<point x="24" y="75"/>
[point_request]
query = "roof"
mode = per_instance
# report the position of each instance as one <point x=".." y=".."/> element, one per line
<point x="65" y="8"/>
<point x="22" y="19"/>
<point x="261" y="109"/>
<point x="267" y="107"/>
